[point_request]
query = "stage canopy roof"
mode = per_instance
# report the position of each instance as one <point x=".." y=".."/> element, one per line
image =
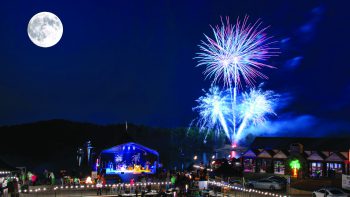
<point x="129" y="145"/>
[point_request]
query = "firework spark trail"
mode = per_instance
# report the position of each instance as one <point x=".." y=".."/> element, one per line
<point x="213" y="109"/>
<point x="256" y="105"/>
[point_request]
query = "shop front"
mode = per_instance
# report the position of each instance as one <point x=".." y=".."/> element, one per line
<point x="249" y="160"/>
<point x="264" y="162"/>
<point x="279" y="163"/>
<point x="249" y="165"/>
<point x="316" y="164"/>
<point x="317" y="157"/>
<point x="316" y="169"/>
<point x="335" y="165"/>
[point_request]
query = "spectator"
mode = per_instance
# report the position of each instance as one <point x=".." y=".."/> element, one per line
<point x="99" y="186"/>
<point x="167" y="180"/>
<point x="29" y="177"/>
<point x="46" y="177"/>
<point x="15" y="186"/>
<point x="162" y="193"/>
<point x="132" y="182"/>
<point x="52" y="178"/>
<point x="1" y="186"/>
<point x="11" y="188"/>
<point x="103" y="180"/>
<point x="173" y="180"/>
<point x="62" y="181"/>
<point x="34" y="179"/>
<point x="76" y="181"/>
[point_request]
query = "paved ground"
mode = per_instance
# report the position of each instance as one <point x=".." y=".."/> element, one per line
<point x="93" y="194"/>
<point x="314" y="184"/>
<point x="212" y="195"/>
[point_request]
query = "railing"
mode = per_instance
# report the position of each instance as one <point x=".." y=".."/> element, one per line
<point x="83" y="190"/>
<point x="119" y="188"/>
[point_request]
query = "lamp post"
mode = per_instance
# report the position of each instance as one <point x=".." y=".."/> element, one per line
<point x="182" y="158"/>
<point x="80" y="154"/>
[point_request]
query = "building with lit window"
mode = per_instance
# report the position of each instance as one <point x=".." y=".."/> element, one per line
<point x="327" y="157"/>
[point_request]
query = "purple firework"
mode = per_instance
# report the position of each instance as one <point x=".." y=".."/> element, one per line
<point x="236" y="53"/>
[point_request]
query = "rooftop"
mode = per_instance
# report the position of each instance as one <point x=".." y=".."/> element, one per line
<point x="317" y="144"/>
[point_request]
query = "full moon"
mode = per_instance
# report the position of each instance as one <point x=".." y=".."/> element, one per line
<point x="45" y="29"/>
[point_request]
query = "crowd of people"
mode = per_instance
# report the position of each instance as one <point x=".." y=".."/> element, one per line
<point x="181" y="181"/>
<point x="22" y="180"/>
<point x="9" y="185"/>
<point x="29" y="178"/>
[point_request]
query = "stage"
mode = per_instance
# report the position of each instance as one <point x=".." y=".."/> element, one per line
<point x="127" y="159"/>
<point x="128" y="171"/>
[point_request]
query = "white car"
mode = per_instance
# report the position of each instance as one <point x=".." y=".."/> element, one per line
<point x="265" y="184"/>
<point x="329" y="192"/>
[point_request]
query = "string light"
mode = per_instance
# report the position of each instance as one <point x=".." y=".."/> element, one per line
<point x="92" y="186"/>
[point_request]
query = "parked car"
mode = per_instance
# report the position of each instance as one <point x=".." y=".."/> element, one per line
<point x="234" y="182"/>
<point x="329" y="192"/>
<point x="278" y="179"/>
<point x="265" y="184"/>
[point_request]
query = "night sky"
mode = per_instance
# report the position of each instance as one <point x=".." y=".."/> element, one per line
<point x="133" y="61"/>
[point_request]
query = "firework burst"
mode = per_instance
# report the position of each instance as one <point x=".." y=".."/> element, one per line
<point x="237" y="53"/>
<point x="256" y="105"/>
<point x="213" y="109"/>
